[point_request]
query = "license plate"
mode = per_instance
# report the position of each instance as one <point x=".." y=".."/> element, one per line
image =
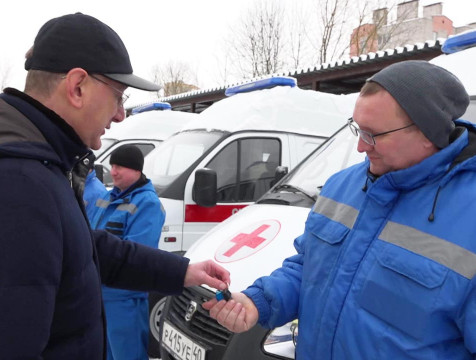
<point x="179" y="345"/>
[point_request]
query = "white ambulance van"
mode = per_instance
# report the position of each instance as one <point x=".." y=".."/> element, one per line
<point x="255" y="241"/>
<point x="146" y="128"/>
<point x="227" y="158"/>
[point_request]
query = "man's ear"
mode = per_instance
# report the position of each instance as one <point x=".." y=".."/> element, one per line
<point x="76" y="83"/>
<point x="427" y="144"/>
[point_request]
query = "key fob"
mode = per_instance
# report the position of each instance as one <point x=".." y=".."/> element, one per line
<point x="223" y="295"/>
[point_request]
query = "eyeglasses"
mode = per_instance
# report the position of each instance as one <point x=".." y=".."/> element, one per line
<point x="366" y="136"/>
<point x="121" y="99"/>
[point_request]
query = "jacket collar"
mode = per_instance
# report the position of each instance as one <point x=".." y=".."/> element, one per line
<point x="65" y="146"/>
<point x="441" y="166"/>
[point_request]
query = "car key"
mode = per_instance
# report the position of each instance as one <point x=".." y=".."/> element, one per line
<point x="223" y="295"/>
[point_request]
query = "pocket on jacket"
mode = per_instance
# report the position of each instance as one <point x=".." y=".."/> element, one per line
<point x="323" y="246"/>
<point x="327" y="230"/>
<point x="402" y="289"/>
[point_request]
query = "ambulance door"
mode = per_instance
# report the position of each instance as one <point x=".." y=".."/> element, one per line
<point x="245" y="168"/>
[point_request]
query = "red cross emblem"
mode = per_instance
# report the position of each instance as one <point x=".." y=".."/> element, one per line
<point x="251" y="240"/>
<point x="248" y="241"/>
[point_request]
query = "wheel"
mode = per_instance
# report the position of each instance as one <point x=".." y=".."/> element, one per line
<point x="156" y="308"/>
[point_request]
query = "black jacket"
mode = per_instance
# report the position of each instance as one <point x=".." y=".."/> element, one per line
<point x="50" y="278"/>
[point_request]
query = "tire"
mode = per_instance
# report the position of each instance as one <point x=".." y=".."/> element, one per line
<point x="156" y="309"/>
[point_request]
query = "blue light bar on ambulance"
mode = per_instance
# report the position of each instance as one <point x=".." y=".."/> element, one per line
<point x="151" y="107"/>
<point x="459" y="42"/>
<point x="261" y="84"/>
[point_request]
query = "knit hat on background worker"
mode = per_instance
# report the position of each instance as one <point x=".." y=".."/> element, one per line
<point x="431" y="96"/>
<point x="82" y="41"/>
<point x="128" y="156"/>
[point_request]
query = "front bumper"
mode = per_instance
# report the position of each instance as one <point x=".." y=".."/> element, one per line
<point x="218" y="342"/>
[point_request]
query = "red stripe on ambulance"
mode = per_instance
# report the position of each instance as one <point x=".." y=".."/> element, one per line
<point x="218" y="213"/>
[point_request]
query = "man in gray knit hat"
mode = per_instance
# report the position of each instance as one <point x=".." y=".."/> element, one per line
<point x="386" y="266"/>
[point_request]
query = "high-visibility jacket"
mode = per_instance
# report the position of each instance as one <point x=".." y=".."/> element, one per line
<point x="135" y="215"/>
<point x="385" y="269"/>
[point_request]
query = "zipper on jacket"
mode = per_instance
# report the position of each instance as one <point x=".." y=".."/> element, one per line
<point x="69" y="174"/>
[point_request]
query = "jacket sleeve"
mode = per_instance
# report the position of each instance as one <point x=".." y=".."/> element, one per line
<point x="145" y="225"/>
<point x="133" y="266"/>
<point x="277" y="296"/>
<point x="30" y="265"/>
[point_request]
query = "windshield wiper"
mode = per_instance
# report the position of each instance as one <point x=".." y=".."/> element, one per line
<point x="294" y="189"/>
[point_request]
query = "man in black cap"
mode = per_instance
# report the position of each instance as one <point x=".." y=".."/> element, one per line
<point x="133" y="212"/>
<point x="51" y="263"/>
<point x="386" y="266"/>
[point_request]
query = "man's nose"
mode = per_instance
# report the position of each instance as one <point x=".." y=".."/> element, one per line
<point x="120" y="114"/>
<point x="362" y="146"/>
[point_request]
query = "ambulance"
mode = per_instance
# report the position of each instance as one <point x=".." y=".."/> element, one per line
<point x="255" y="241"/>
<point x="227" y="157"/>
<point x="146" y="128"/>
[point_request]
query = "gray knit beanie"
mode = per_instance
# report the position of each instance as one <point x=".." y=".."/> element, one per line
<point x="431" y="96"/>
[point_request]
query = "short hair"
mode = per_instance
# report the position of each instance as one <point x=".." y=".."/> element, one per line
<point x="43" y="82"/>
<point x="40" y="81"/>
<point x="371" y="88"/>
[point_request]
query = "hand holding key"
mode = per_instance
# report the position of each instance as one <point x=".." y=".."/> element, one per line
<point x="238" y="314"/>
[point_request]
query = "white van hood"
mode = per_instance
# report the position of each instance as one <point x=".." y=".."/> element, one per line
<point x="252" y="249"/>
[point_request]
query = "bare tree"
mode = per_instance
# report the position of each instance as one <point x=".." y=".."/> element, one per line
<point x="175" y="77"/>
<point x="257" y="44"/>
<point x="376" y="30"/>
<point x="332" y="16"/>
<point x="298" y="44"/>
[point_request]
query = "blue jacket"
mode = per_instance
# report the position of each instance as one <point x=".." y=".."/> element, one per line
<point x="51" y="263"/>
<point x="93" y="189"/>
<point x="134" y="215"/>
<point x="385" y="269"/>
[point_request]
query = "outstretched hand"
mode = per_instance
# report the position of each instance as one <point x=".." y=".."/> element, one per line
<point x="209" y="273"/>
<point x="238" y="314"/>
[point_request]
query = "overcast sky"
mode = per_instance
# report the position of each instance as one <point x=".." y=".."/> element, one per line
<point x="154" y="31"/>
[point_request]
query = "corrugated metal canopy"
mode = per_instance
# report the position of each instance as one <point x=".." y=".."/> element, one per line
<point x="344" y="76"/>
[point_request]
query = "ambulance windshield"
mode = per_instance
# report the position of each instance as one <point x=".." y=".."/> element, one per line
<point x="339" y="152"/>
<point x="166" y="162"/>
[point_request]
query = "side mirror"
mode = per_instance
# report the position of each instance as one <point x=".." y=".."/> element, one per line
<point x="99" y="172"/>
<point x="205" y="187"/>
<point x="280" y="172"/>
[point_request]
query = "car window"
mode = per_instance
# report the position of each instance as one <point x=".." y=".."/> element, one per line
<point x="176" y="154"/>
<point x="245" y="169"/>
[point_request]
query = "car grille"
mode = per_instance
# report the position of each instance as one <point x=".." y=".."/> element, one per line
<point x="201" y="324"/>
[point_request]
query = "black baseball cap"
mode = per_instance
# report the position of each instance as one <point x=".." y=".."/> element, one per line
<point x="79" y="40"/>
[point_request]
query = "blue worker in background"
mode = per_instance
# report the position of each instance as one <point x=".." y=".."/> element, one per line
<point x="133" y="212"/>
<point x="93" y="187"/>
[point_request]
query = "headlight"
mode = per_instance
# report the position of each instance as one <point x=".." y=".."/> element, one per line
<point x="281" y="341"/>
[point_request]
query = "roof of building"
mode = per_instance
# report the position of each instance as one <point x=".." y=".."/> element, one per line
<point x="339" y="77"/>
